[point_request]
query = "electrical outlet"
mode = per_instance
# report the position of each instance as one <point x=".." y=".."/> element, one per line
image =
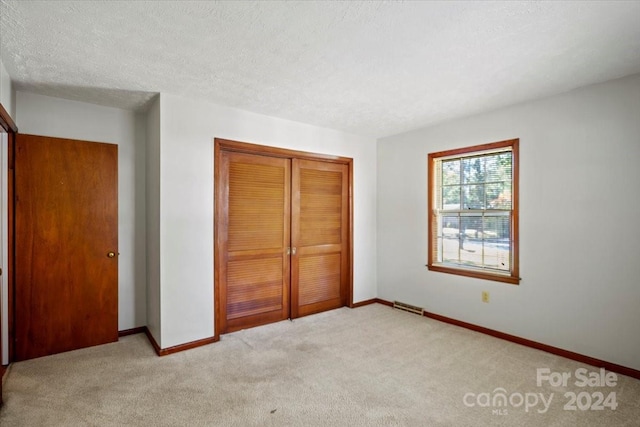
<point x="485" y="296"/>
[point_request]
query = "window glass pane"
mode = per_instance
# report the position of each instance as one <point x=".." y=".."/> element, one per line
<point x="450" y="227"/>
<point x="470" y="244"/>
<point x="473" y="197"/>
<point x="451" y="172"/>
<point x="450" y="250"/>
<point x="450" y="237"/>
<point x="498" y="195"/>
<point x="473" y="170"/>
<point x="497" y="241"/>
<point x="451" y="197"/>
<point x="492" y="193"/>
<point x="498" y="167"/>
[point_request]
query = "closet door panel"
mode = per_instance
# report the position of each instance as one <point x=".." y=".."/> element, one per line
<point x="254" y="277"/>
<point x="320" y="280"/>
<point x="320" y="235"/>
<point x="254" y="287"/>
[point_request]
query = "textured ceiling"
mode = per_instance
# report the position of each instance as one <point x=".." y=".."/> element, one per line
<point x="371" y="68"/>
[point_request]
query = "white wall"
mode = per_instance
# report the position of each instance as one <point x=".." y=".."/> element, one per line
<point x="42" y="115"/>
<point x="579" y="227"/>
<point x="7" y="92"/>
<point x="188" y="128"/>
<point x="152" y="174"/>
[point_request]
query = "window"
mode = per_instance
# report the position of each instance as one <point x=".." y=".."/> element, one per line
<point x="473" y="211"/>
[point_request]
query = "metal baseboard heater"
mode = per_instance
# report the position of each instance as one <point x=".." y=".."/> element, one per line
<point x="408" y="308"/>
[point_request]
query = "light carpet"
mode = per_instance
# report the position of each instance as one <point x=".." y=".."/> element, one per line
<point x="371" y="366"/>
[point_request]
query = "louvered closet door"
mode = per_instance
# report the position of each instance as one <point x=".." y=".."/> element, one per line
<point x="254" y="272"/>
<point x="319" y="269"/>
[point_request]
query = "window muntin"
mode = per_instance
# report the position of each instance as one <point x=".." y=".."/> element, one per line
<point x="473" y="209"/>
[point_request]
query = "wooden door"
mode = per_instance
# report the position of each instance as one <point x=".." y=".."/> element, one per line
<point x="320" y="236"/>
<point x="253" y="229"/>
<point x="66" y="245"/>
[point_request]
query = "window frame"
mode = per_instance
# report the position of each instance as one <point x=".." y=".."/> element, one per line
<point x="513" y="276"/>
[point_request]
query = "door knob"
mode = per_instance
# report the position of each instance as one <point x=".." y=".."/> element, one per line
<point x="111" y="254"/>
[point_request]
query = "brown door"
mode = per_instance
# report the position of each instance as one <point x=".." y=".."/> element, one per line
<point x="253" y="236"/>
<point x="320" y="212"/>
<point x="66" y="245"/>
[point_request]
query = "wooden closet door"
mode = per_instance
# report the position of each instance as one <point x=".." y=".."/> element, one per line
<point x="320" y="222"/>
<point x="254" y="234"/>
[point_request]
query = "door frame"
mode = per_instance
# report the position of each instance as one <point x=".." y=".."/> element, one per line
<point x="221" y="145"/>
<point x="9" y="127"/>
